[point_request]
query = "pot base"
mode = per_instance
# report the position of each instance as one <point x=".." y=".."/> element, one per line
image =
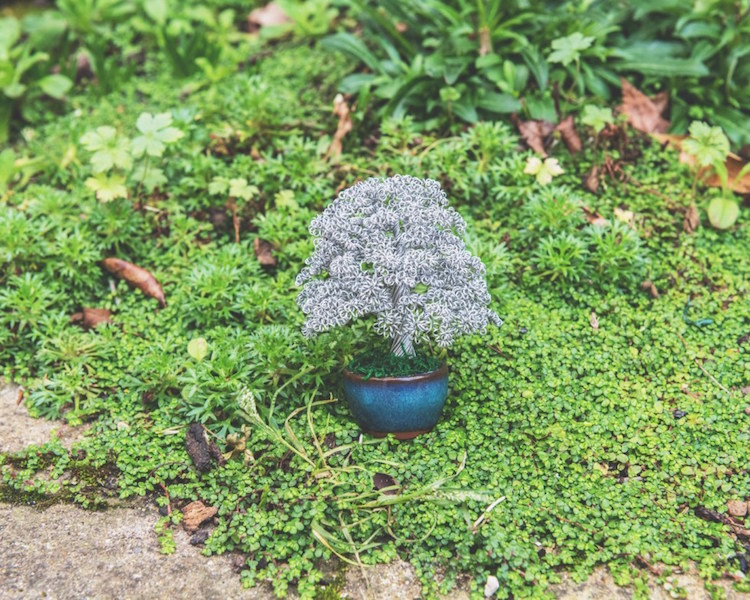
<point x="399" y="435"/>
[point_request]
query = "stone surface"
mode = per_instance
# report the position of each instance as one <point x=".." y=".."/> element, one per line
<point x="65" y="552"/>
<point x="382" y="582"/>
<point x="737" y="508"/>
<point x="602" y="586"/>
<point x="18" y="429"/>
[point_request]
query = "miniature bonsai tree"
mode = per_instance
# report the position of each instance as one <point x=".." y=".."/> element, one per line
<point x="391" y="248"/>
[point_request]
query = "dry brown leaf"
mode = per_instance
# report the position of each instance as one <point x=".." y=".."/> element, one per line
<point x="594" y="217"/>
<point x="91" y="317"/>
<point x="692" y="219"/>
<point x="591" y="181"/>
<point x="135" y="276"/>
<point x="567" y="129"/>
<point x="342" y="111"/>
<point x="644" y="113"/>
<point x="594" y="321"/>
<point x="383" y="481"/>
<point x="650" y="288"/>
<point x="19" y="396"/>
<point x="267" y="16"/>
<point x="734" y="164"/>
<point x="534" y="132"/>
<point x="264" y="252"/>
<point x="195" y="514"/>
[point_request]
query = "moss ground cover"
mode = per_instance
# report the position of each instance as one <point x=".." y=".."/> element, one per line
<point x="600" y="422"/>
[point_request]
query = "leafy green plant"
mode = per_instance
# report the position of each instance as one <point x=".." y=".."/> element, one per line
<point x="543" y="170"/>
<point x="116" y="159"/>
<point x="477" y="60"/>
<point x="710" y="147"/>
<point x="22" y="81"/>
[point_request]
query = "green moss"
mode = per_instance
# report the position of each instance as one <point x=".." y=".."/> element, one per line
<point x="376" y="363"/>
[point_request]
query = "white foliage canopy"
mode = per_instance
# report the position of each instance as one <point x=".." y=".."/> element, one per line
<point x="391" y="248"/>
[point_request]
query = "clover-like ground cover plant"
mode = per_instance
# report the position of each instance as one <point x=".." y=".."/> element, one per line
<point x="604" y="426"/>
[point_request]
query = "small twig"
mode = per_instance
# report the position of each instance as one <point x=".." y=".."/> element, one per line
<point x="486" y="512"/>
<point x="235" y="222"/>
<point x="702" y="368"/>
<point x="500" y="352"/>
<point x="652" y="568"/>
<point x="169" y="500"/>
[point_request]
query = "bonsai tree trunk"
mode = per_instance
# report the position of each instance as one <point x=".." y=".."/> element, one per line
<point x="402" y="344"/>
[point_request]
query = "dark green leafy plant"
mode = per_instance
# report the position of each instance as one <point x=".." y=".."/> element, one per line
<point x="23" y="79"/>
<point x="478" y="60"/>
<point x="710" y="148"/>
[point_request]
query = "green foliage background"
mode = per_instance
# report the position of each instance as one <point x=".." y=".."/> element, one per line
<point x="575" y="427"/>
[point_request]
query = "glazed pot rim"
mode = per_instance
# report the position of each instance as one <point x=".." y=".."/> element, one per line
<point x="438" y="373"/>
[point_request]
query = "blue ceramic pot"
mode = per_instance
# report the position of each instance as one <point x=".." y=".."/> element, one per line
<point x="404" y="406"/>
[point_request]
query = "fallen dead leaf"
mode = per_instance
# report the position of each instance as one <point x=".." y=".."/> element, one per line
<point x="692" y="219"/>
<point x="135" y="276"/>
<point x="195" y="514"/>
<point x="649" y="286"/>
<point x="567" y="129"/>
<point x="342" y="111"/>
<point x="534" y="133"/>
<point x="591" y="180"/>
<point x="594" y="321"/>
<point x="267" y="16"/>
<point x="594" y="217"/>
<point x="91" y="317"/>
<point x="383" y="480"/>
<point x="642" y="112"/>
<point x="734" y="164"/>
<point x="19" y="396"/>
<point x="264" y="252"/>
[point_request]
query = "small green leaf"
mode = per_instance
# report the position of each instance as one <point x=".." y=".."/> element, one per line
<point x="55" y="85"/>
<point x="109" y="149"/>
<point x="239" y="188"/>
<point x="723" y="212"/>
<point x="107" y="188"/>
<point x="568" y="49"/>
<point x="7" y="166"/>
<point x="218" y="185"/>
<point x="707" y="144"/>
<point x="198" y="348"/>
<point x="156" y="133"/>
<point x="596" y="117"/>
<point x="544" y="171"/>
<point x="10" y="31"/>
<point x="151" y="177"/>
<point x="157" y="10"/>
